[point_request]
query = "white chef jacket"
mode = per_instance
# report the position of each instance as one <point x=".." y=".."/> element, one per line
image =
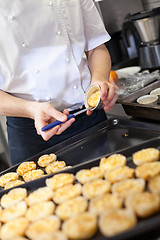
<point x="42" y="44"/>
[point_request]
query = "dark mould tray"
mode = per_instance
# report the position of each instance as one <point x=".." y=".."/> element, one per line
<point x="108" y="136"/>
<point x="134" y="109"/>
<point x="147" y="228"/>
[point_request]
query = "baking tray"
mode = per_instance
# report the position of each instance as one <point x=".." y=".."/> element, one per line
<point x="134" y="109"/>
<point x="147" y="229"/>
<point x="111" y="135"/>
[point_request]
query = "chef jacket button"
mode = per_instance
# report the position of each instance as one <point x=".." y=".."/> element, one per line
<point x="68" y="60"/>
<point x="75" y="87"/>
<point x="59" y="33"/>
<point x="50" y="4"/>
<point x="11" y="17"/>
<point x="48" y="98"/>
<point x="36" y="70"/>
<point x="36" y="99"/>
<point x="24" y="45"/>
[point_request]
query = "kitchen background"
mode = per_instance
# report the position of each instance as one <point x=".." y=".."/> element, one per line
<point x="113" y="13"/>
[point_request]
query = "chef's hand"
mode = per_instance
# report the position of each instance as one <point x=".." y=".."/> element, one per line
<point x="109" y="95"/>
<point x="44" y="114"/>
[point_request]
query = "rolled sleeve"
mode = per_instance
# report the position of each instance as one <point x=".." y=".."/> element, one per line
<point x="94" y="29"/>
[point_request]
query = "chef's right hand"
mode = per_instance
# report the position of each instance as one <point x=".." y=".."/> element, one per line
<point x="44" y="114"/>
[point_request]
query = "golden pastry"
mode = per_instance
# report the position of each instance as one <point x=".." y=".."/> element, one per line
<point x="18" y="238"/>
<point x="96" y="188"/>
<point x="8" y="177"/>
<point x="55" y="167"/>
<point x="154" y="184"/>
<point x="119" y="174"/>
<point x="144" y="204"/>
<point x="81" y="226"/>
<point x="59" y="180"/>
<point x="87" y="175"/>
<point x="40" y="195"/>
<point x="14" y="228"/>
<point x="15" y="211"/>
<point x="33" y="175"/>
<point x="44" y="227"/>
<point x="46" y="159"/>
<point x="116" y="222"/>
<point x="40" y="210"/>
<point x="64" y="193"/>
<point x="146" y="155"/>
<point x="13" y="184"/>
<point x="128" y="187"/>
<point x="13" y="196"/>
<point x="94" y="99"/>
<point x="26" y="167"/>
<point x="56" y="235"/>
<point x="113" y="161"/>
<point x="71" y="207"/>
<point x="148" y="170"/>
<point x="105" y="203"/>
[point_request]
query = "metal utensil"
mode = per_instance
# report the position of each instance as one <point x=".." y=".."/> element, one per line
<point x="55" y="123"/>
<point x="91" y="90"/>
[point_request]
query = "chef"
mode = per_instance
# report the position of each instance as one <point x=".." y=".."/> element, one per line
<point x="51" y="51"/>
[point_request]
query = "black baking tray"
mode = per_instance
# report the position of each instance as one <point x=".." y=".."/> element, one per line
<point x="134" y="109"/>
<point x="111" y="135"/>
<point x="147" y="229"/>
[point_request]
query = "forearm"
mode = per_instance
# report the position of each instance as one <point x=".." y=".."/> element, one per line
<point x="99" y="63"/>
<point x="13" y="106"/>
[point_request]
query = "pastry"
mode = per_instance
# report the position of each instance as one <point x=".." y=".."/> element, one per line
<point x="116" y="221"/>
<point x="64" y="193"/>
<point x="59" y="180"/>
<point x="87" y="175"/>
<point x="26" y="167"/>
<point x="128" y="187"/>
<point x="14" y="228"/>
<point x="148" y="170"/>
<point x="8" y="177"/>
<point x="146" y="155"/>
<point x="119" y="174"/>
<point x="46" y="159"/>
<point x="33" y="175"/>
<point x="81" y="226"/>
<point x="44" y="227"/>
<point x="15" y="211"/>
<point x="154" y="184"/>
<point x="13" y="184"/>
<point x="56" y="235"/>
<point x="144" y="204"/>
<point x="71" y="207"/>
<point x="40" y="210"/>
<point x="95" y="188"/>
<point x="13" y="196"/>
<point x="113" y="161"/>
<point x="40" y="195"/>
<point x="105" y="203"/>
<point x="55" y="167"/>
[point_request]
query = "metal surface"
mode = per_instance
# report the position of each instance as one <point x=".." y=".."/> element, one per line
<point x="148" y="28"/>
<point x="132" y="108"/>
<point x="106" y="137"/>
<point x="146" y="228"/>
<point x="149" y="56"/>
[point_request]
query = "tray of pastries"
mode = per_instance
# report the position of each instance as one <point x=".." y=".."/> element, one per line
<point x="115" y="197"/>
<point x="93" y="143"/>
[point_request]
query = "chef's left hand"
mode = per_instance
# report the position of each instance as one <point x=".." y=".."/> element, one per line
<point x="109" y="95"/>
